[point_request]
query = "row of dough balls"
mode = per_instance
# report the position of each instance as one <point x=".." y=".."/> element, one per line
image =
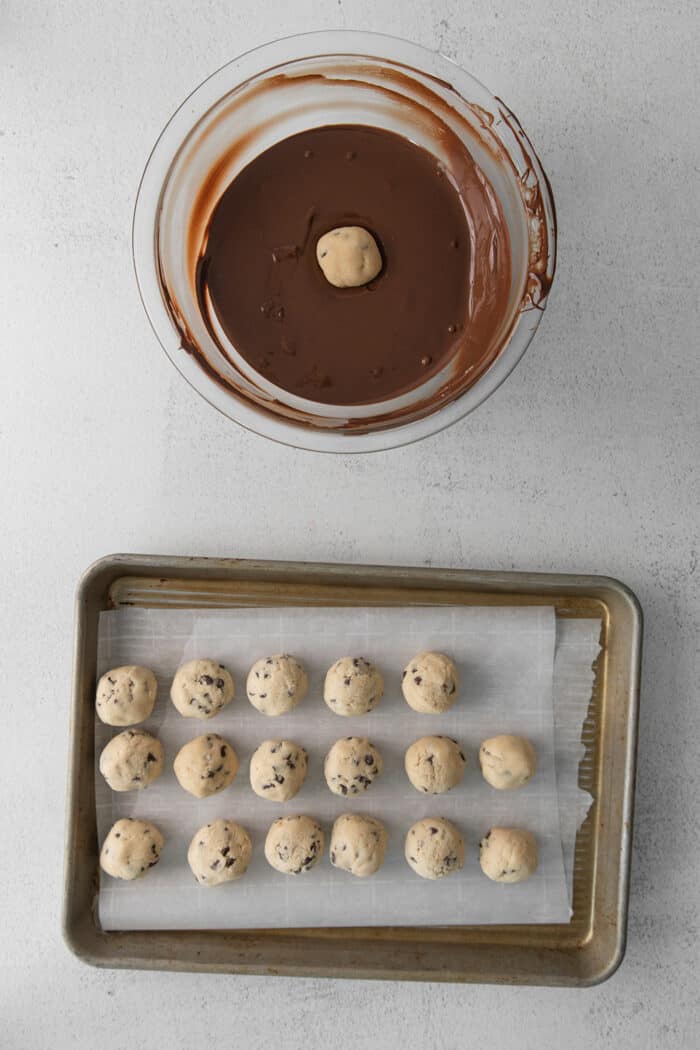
<point x="220" y="852"/>
<point x="208" y="764"/>
<point x="275" y="685"/>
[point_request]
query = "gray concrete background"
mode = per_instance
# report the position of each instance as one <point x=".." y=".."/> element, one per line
<point x="586" y="460"/>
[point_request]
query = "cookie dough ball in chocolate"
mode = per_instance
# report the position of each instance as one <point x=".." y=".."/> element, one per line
<point x="132" y="760"/>
<point x="434" y="848"/>
<point x="353" y="686"/>
<point x="508" y="854"/>
<point x="294" y="844"/>
<point x="358" y="844"/>
<point x="206" y="765"/>
<point x="278" y="769"/>
<point x="219" y="852"/>
<point x="351" y="765"/>
<point x="126" y="695"/>
<point x="430" y="682"/>
<point x="507" y="761"/>
<point x="276" y="684"/>
<point x="201" y="688"/>
<point x="348" y="256"/>
<point x="435" y="764"/>
<point x="131" y="848"/>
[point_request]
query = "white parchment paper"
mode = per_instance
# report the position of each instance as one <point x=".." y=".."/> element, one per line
<point x="506" y="659"/>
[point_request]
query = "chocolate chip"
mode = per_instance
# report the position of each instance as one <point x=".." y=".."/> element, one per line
<point x="369" y="760"/>
<point x="347" y="681"/>
<point x="433" y="831"/>
<point x="418" y="679"/>
<point x="230" y="861"/>
<point x="279" y="779"/>
<point x="206" y="679"/>
<point x="225" y="850"/>
<point x="332" y="856"/>
<point x="223" y="750"/>
<point x="215" y="864"/>
<point x="150" y="757"/>
<point x="219" y="683"/>
<point x="461" y="755"/>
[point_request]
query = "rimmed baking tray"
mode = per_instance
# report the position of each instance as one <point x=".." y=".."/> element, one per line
<point x="582" y="952"/>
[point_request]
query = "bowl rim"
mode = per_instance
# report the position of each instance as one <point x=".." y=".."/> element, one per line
<point x="260" y="59"/>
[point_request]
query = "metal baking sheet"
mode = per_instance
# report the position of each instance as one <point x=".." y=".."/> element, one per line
<point x="583" y="951"/>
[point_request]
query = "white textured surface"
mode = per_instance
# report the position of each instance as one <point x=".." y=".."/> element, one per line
<point x="587" y="459"/>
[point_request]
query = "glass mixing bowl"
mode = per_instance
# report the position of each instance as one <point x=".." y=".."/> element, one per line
<point x="286" y="87"/>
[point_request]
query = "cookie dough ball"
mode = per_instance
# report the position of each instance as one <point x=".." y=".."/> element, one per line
<point x="294" y="844"/>
<point x="126" y="695"/>
<point x="132" y="760"/>
<point x="435" y="764"/>
<point x="351" y="765"/>
<point x="201" y="688"/>
<point x="276" y="684"/>
<point x="507" y="761"/>
<point x="353" y="686"/>
<point x="348" y="256"/>
<point x="219" y="852"/>
<point x="131" y="848"/>
<point x="430" y="682"/>
<point x="206" y="765"/>
<point x="434" y="848"/>
<point x="358" y="844"/>
<point x="508" y="854"/>
<point x="278" y="769"/>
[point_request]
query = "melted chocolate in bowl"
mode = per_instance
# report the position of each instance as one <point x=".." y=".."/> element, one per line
<point x="443" y="288"/>
<point x="273" y="151"/>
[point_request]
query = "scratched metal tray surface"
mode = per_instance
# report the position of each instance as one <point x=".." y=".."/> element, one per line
<point x="584" y="951"/>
